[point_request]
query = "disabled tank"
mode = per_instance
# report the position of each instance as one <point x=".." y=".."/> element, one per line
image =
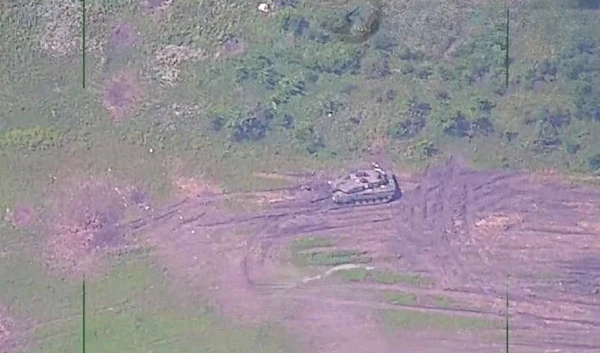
<point x="365" y="186"/>
<point x="358" y="24"/>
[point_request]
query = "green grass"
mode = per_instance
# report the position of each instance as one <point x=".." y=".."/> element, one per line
<point x="331" y="258"/>
<point x="383" y="277"/>
<point x="443" y="302"/>
<point x="400" y="298"/>
<point x="353" y="275"/>
<point x="49" y="97"/>
<point x="307" y="243"/>
<point x="307" y="251"/>
<point x="412" y="320"/>
<point x="130" y="309"/>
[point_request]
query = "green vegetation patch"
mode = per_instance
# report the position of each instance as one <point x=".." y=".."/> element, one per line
<point x="400" y="298"/>
<point x="443" y="302"/>
<point x="408" y="319"/>
<point x="131" y="309"/>
<point x="389" y="277"/>
<point x="353" y="275"/>
<point x="306" y="243"/>
<point x="31" y="139"/>
<point x="332" y="258"/>
<point x="383" y="277"/>
<point x="308" y="251"/>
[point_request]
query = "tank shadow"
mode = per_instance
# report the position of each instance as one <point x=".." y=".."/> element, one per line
<point x="398" y="192"/>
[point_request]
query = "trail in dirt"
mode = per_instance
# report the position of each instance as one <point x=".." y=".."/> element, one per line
<point x="545" y="232"/>
<point x="443" y="238"/>
<point x="465" y="228"/>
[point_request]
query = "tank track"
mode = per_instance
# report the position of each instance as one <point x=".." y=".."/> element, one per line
<point x="373" y="201"/>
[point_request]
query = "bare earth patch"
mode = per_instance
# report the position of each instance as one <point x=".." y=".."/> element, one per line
<point x="275" y="176"/>
<point x="270" y="197"/>
<point x="124" y="35"/>
<point x="194" y="187"/>
<point x="462" y="229"/>
<point x="209" y="261"/>
<point x="6" y="327"/>
<point x="11" y="332"/>
<point x="334" y="327"/>
<point x="122" y="95"/>
<point x="21" y="216"/>
<point x="156" y="7"/>
<point x="84" y="222"/>
<point x="231" y="47"/>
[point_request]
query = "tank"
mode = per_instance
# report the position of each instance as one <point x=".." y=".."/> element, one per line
<point x="365" y="186"/>
<point x="358" y="24"/>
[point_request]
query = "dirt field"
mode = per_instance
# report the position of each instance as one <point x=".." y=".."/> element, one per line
<point x="466" y="230"/>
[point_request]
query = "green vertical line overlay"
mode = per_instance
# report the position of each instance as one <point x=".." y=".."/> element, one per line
<point x="507" y="330"/>
<point x="83" y="316"/>
<point x="83" y="25"/>
<point x="507" y="57"/>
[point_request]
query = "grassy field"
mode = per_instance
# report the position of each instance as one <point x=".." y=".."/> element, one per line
<point x="219" y="91"/>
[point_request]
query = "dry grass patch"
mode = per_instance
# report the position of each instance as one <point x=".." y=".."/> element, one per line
<point x="124" y="35"/>
<point x="231" y="47"/>
<point x="62" y="27"/>
<point x="496" y="223"/>
<point x="196" y="187"/>
<point x="168" y="61"/>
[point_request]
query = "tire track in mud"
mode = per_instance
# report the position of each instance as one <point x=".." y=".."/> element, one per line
<point x="490" y="180"/>
<point x="435" y="218"/>
<point x="413" y="242"/>
<point x="432" y="219"/>
<point x="494" y="193"/>
<point x="308" y="312"/>
<point x="331" y="219"/>
<point x="541" y="209"/>
<point x="522" y="321"/>
<point x="526" y="321"/>
<point x="262" y="224"/>
<point x="188" y="203"/>
<point x="452" y="205"/>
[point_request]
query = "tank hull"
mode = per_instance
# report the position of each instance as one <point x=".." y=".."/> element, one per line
<point x="379" y="195"/>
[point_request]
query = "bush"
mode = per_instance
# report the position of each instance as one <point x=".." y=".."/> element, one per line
<point x="36" y="138"/>
<point x="260" y="69"/>
<point x="482" y="126"/>
<point x="594" y="163"/>
<point x="413" y="121"/>
<point x="310" y="140"/>
<point x="423" y="149"/>
<point x="457" y="125"/>
<point x="408" y="128"/>
<point x="252" y="126"/>
<point x="217" y="123"/>
<point x="588" y="4"/>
